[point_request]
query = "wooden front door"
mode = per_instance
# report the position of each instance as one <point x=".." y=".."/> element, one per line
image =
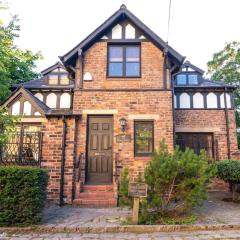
<point x="196" y="141"/>
<point x="99" y="160"/>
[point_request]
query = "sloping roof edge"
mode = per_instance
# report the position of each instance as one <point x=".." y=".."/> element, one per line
<point x="44" y="109"/>
<point x="123" y="11"/>
<point x="189" y="64"/>
<point x="51" y="68"/>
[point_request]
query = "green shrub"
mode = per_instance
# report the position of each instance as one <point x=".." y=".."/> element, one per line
<point x="124" y="199"/>
<point x="229" y="171"/>
<point x="176" y="181"/>
<point x="22" y="195"/>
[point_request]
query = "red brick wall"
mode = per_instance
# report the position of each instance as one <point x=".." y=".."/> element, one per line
<point x="215" y="121"/>
<point x="95" y="62"/>
<point x="52" y="155"/>
<point x="157" y="103"/>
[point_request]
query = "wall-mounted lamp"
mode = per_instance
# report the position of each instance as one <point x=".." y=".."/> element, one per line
<point x="123" y="124"/>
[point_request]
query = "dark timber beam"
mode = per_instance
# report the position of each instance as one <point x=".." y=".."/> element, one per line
<point x="227" y="125"/>
<point x="79" y="71"/>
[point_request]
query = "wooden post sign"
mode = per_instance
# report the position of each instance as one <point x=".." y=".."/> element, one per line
<point x="136" y="190"/>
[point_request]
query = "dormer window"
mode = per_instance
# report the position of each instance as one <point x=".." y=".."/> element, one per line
<point x="58" y="78"/>
<point x="124" y="61"/>
<point x="64" y="80"/>
<point x="181" y="79"/>
<point x="53" y="79"/>
<point x="187" y="79"/>
<point x="192" y="79"/>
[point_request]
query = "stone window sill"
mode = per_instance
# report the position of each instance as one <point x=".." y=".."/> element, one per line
<point x="144" y="158"/>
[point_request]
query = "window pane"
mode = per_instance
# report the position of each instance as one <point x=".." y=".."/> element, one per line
<point x="115" y="54"/>
<point x="181" y="79"/>
<point x="132" y="69"/>
<point x="115" y="69"/>
<point x="64" y="79"/>
<point x="144" y="138"/>
<point x="132" y="54"/>
<point x="192" y="79"/>
<point x="53" y="79"/>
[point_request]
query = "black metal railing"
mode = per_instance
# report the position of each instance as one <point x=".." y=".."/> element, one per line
<point x="22" y="148"/>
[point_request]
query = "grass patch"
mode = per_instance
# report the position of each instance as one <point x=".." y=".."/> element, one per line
<point x="176" y="220"/>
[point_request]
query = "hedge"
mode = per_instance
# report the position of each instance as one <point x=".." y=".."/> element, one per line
<point x="22" y="195"/>
<point x="229" y="171"/>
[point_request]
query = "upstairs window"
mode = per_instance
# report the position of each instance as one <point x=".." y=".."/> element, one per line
<point x="58" y="77"/>
<point x="181" y="79"/>
<point x="124" y="61"/>
<point x="187" y="79"/>
<point x="192" y="79"/>
<point x="53" y="79"/>
<point x="64" y="79"/>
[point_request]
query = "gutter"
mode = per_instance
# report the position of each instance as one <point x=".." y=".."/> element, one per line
<point x="227" y="124"/>
<point x="61" y="200"/>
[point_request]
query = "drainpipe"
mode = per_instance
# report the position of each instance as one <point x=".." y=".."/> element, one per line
<point x="61" y="201"/>
<point x="173" y="107"/>
<point x="227" y="124"/>
<point x="165" y="68"/>
<point x="75" y="158"/>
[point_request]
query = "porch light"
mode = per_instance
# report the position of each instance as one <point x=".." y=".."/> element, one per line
<point x="123" y="124"/>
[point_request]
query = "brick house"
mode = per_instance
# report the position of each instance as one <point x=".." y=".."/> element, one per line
<point x="108" y="104"/>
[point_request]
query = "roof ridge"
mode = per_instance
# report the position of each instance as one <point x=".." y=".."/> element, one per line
<point x="123" y="11"/>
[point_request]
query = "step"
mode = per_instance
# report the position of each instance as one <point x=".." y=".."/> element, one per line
<point x="96" y="195"/>
<point x="97" y="188"/>
<point x="95" y="203"/>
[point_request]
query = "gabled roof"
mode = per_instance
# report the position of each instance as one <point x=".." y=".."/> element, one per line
<point x="30" y="97"/>
<point x="203" y="82"/>
<point x="187" y="64"/>
<point x="41" y="84"/>
<point x="53" y="67"/>
<point x="42" y="108"/>
<point x="122" y="13"/>
<point x="206" y="83"/>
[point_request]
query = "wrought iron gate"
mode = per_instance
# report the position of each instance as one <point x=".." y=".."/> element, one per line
<point x="23" y="148"/>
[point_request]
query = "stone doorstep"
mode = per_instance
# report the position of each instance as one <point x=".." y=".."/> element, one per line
<point x="120" y="229"/>
<point x="98" y="188"/>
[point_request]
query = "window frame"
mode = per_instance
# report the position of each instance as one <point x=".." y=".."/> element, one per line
<point x="136" y="122"/>
<point x="187" y="79"/>
<point x="58" y="73"/>
<point x="124" y="62"/>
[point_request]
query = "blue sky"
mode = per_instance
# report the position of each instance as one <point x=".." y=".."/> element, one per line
<point x="198" y="28"/>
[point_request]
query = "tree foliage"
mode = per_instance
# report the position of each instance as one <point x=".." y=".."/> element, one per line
<point x="176" y="183"/>
<point x="229" y="171"/>
<point x="225" y="66"/>
<point x="124" y="199"/>
<point x="7" y="125"/>
<point x="16" y="65"/>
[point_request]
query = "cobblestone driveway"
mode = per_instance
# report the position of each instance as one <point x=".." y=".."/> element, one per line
<point x="227" y="235"/>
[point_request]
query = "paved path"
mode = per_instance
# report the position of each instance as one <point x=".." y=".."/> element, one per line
<point x="214" y="211"/>
<point x="73" y="217"/>
<point x="217" y="211"/>
<point x="201" y="235"/>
